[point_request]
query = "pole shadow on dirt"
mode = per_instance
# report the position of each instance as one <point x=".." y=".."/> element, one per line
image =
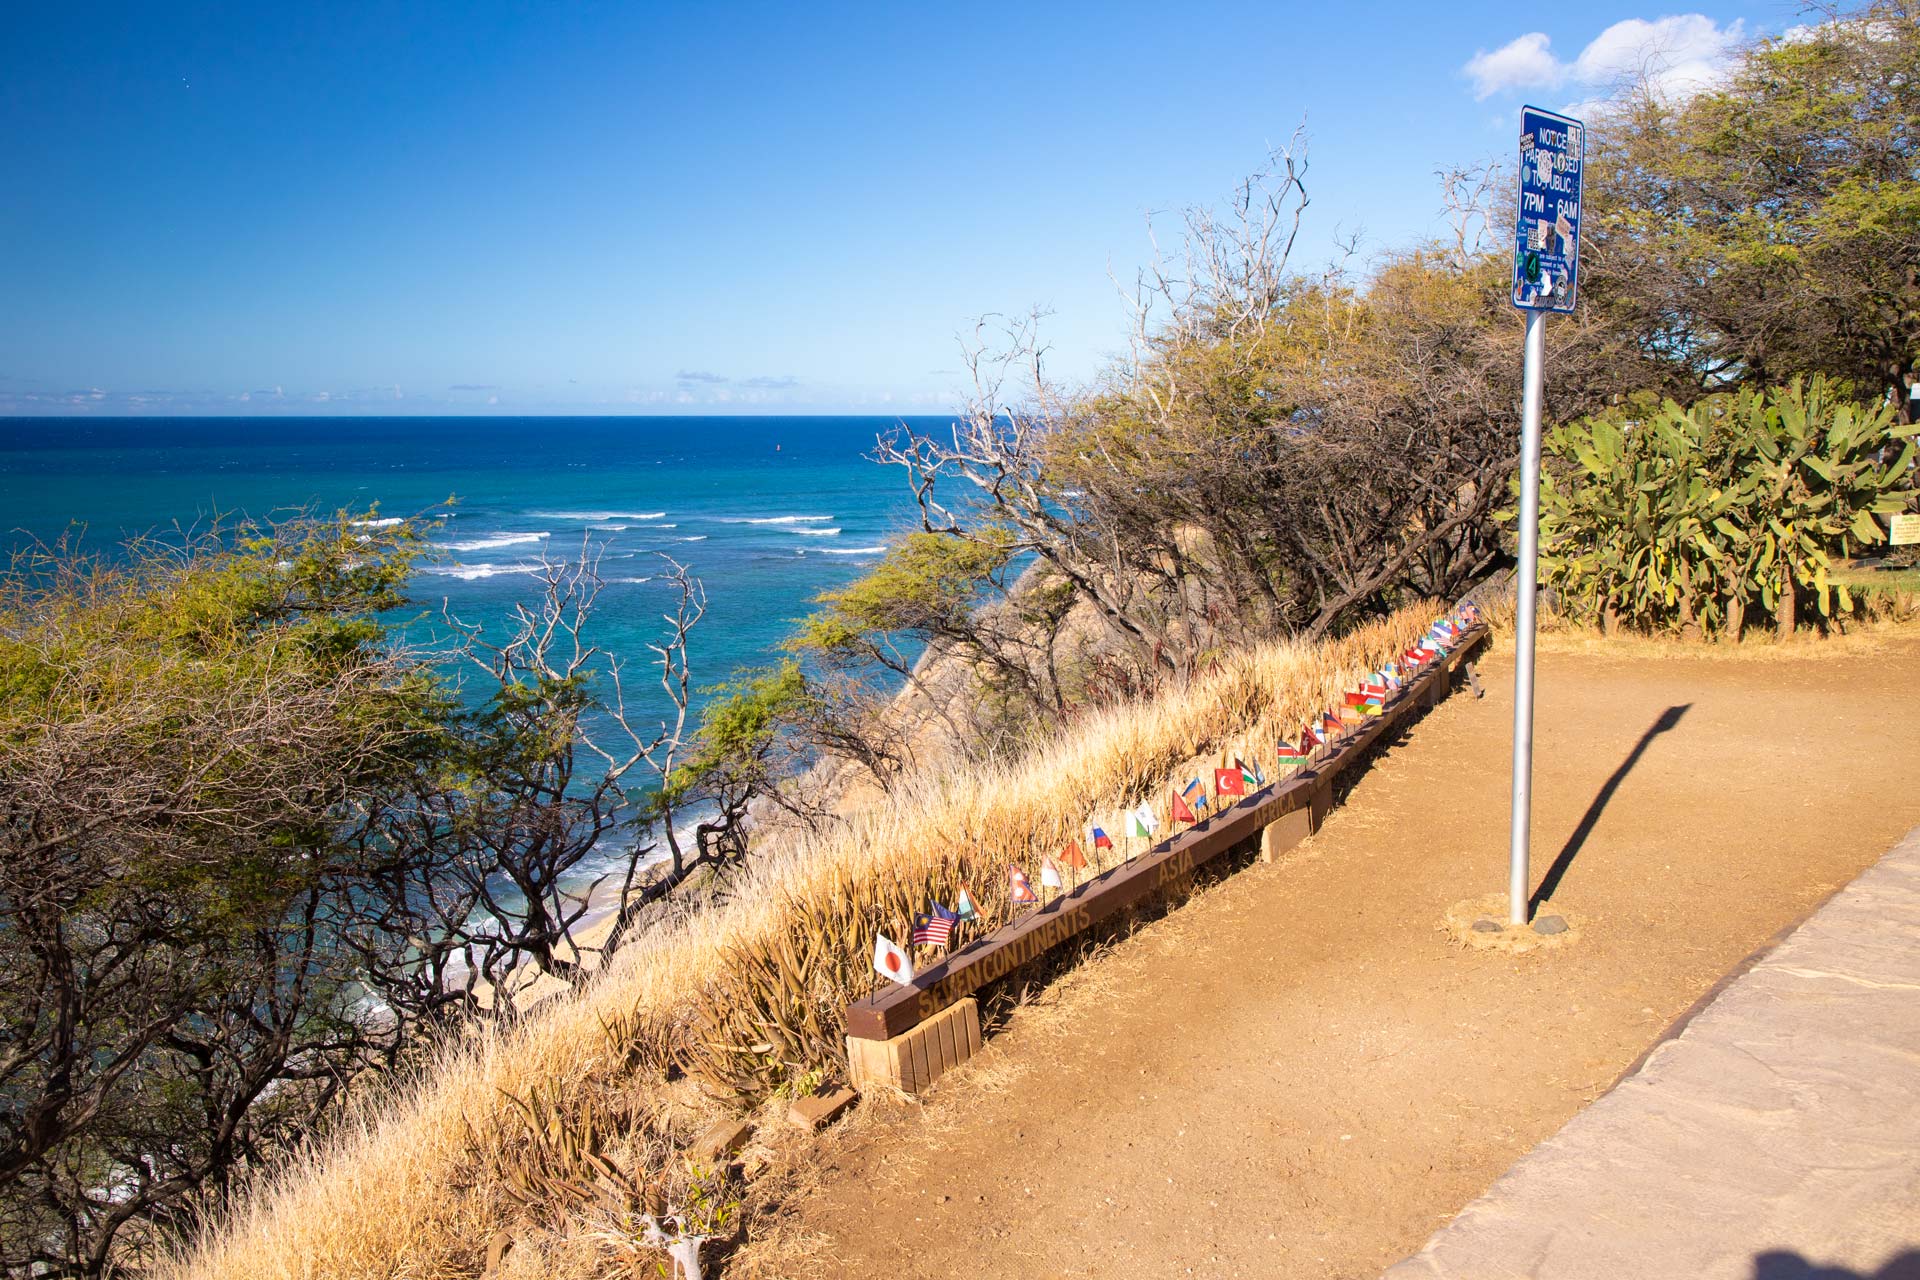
<point x="1591" y="818"/>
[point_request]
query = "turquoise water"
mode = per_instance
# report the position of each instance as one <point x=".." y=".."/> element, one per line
<point x="766" y="511"/>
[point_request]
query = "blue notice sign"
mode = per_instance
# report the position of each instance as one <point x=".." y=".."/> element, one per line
<point x="1546" y="242"/>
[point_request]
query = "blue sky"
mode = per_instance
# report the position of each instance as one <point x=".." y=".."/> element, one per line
<point x="510" y="208"/>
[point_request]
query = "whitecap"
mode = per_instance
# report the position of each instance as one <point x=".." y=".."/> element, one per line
<point x="496" y="540"/>
<point x="773" y="519"/>
<point x="384" y="522"/>
<point x="470" y="572"/>
<point x="847" y="551"/>
<point x="610" y="528"/>
<point x="816" y="533"/>
<point x="698" y="537"/>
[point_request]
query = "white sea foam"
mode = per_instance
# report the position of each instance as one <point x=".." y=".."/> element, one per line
<point x="656" y="526"/>
<point x="698" y="537"/>
<point x="384" y="522"/>
<point x="816" y="533"/>
<point x="470" y="572"/>
<point x="634" y="582"/>
<point x="774" y="519"/>
<point x="846" y="551"/>
<point x="598" y="515"/>
<point x="610" y="528"/>
<point x="491" y="541"/>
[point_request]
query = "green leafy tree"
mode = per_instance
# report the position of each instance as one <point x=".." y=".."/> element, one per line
<point x="187" y="736"/>
<point x="1770" y="226"/>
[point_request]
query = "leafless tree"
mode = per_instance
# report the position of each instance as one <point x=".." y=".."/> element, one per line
<point x="564" y="808"/>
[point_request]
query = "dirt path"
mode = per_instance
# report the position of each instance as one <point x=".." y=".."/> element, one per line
<point x="1297" y="1075"/>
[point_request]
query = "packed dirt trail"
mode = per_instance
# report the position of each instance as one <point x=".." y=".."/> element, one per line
<point x="1298" y="1074"/>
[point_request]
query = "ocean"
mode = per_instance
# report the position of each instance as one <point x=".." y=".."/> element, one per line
<point x="766" y="511"/>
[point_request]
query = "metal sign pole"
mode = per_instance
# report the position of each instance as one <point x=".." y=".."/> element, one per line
<point x="1519" y="843"/>
<point x="1546" y="277"/>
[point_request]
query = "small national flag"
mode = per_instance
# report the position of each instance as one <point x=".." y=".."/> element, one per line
<point x="1310" y="738"/>
<point x="934" y="930"/>
<point x="1194" y="786"/>
<point x="1179" y="811"/>
<point x="1140" y="821"/>
<point x="1229" y="782"/>
<point x="1248" y="773"/>
<point x="1019" y="887"/>
<point x="966" y="910"/>
<point x="1356" y="698"/>
<point x="1291" y="755"/>
<point x="890" y="961"/>
<point x="1375" y="688"/>
<point x="1101" y="840"/>
<point x="1072" y="856"/>
<point x="1050" y="875"/>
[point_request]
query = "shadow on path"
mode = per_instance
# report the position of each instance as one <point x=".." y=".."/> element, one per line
<point x="1591" y="818"/>
<point x="1784" y="1264"/>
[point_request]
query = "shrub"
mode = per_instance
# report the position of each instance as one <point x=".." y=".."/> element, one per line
<point x="1671" y="519"/>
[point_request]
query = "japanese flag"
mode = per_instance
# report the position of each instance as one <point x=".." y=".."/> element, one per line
<point x="890" y="961"/>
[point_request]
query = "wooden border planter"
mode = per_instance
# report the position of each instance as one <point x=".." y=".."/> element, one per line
<point x="1276" y="817"/>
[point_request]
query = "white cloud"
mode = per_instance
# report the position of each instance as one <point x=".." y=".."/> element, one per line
<point x="1521" y="63"/>
<point x="1677" y="56"/>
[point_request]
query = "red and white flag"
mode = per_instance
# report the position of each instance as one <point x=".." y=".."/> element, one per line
<point x="890" y="961"/>
<point x="1049" y="874"/>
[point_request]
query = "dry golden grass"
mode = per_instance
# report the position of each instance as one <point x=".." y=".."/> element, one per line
<point x="749" y="994"/>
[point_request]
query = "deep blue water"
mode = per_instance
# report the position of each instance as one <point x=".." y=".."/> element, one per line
<point x="766" y="511"/>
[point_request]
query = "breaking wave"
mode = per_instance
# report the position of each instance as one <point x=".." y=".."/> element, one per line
<point x="471" y="572"/>
<point x="598" y="515"/>
<point x="773" y="519"/>
<point x="491" y="541"/>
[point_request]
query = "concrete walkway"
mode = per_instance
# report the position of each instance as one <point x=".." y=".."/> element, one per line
<point x="1776" y="1137"/>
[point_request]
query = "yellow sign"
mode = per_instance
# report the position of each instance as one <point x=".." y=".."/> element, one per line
<point x="1903" y="530"/>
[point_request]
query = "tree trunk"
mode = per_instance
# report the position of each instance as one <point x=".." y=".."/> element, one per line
<point x="1783" y="612"/>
